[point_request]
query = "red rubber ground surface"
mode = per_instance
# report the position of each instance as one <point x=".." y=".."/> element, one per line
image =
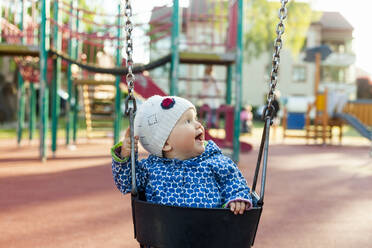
<point x="316" y="196"/>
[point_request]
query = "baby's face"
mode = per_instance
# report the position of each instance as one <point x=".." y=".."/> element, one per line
<point x="187" y="136"/>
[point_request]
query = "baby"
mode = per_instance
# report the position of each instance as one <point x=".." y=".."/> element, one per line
<point x="182" y="169"/>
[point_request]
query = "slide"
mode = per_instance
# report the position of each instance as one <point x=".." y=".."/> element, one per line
<point x="145" y="86"/>
<point x="355" y="123"/>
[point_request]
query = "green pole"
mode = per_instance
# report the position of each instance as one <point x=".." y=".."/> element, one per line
<point x="21" y="107"/>
<point x="32" y="111"/>
<point x="228" y="84"/>
<point x="71" y="52"/>
<point x="75" y="105"/>
<point x="21" y="87"/>
<point x="117" y="123"/>
<point x="32" y="119"/>
<point x="75" y="114"/>
<point x="174" y="49"/>
<point x="56" y="76"/>
<point x="238" y="88"/>
<point x="43" y="98"/>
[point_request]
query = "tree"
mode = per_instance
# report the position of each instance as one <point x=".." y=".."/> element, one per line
<point x="261" y="18"/>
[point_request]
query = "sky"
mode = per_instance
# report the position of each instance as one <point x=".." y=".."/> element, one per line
<point x="357" y="12"/>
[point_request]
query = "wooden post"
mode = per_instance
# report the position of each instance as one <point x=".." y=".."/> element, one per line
<point x="325" y="119"/>
<point x="317" y="73"/>
<point x="316" y="93"/>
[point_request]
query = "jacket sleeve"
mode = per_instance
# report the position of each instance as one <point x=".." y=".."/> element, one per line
<point x="232" y="184"/>
<point x="122" y="172"/>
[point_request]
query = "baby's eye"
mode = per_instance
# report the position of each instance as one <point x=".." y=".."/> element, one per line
<point x="188" y="121"/>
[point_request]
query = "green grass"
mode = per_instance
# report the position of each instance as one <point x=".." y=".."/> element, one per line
<point x="351" y="132"/>
<point x="7" y="133"/>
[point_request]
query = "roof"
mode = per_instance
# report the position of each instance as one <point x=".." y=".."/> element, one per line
<point x="334" y="21"/>
<point x="161" y="14"/>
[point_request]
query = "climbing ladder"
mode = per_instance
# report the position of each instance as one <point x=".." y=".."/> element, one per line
<point x="99" y="109"/>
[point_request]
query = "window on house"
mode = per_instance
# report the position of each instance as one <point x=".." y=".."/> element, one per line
<point x="336" y="47"/>
<point x="333" y="74"/>
<point x="299" y="74"/>
<point x="341" y="48"/>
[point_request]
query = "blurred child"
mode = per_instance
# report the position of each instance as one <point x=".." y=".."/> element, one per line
<point x="246" y="117"/>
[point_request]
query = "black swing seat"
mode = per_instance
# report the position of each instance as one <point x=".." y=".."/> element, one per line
<point x="163" y="226"/>
<point x="182" y="227"/>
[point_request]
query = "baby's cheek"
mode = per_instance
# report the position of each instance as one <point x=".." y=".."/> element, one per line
<point x="202" y="148"/>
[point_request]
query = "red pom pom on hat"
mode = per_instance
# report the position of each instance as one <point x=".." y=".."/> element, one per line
<point x="167" y="103"/>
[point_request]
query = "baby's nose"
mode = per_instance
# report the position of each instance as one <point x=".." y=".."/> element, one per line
<point x="198" y="125"/>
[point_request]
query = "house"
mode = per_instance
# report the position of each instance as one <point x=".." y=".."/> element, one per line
<point x="297" y="77"/>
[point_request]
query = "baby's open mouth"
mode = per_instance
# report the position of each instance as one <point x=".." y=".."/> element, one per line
<point x="200" y="137"/>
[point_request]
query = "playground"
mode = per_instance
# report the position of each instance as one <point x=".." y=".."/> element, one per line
<point x="319" y="197"/>
<point x="78" y="84"/>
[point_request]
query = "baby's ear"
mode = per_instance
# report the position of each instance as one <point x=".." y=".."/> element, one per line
<point x="167" y="147"/>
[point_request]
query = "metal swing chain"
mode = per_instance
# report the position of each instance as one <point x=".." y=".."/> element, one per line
<point x="269" y="110"/>
<point x="130" y="110"/>
<point x="278" y="43"/>
<point x="129" y="48"/>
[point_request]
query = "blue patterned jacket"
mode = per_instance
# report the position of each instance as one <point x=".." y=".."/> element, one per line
<point x="210" y="180"/>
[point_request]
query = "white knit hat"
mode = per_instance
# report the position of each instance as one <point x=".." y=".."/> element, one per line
<point x="155" y="120"/>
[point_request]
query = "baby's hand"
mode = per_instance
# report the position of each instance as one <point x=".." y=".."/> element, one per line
<point x="238" y="207"/>
<point x="125" y="149"/>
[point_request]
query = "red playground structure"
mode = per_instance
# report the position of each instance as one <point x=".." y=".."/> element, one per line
<point x="225" y="112"/>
